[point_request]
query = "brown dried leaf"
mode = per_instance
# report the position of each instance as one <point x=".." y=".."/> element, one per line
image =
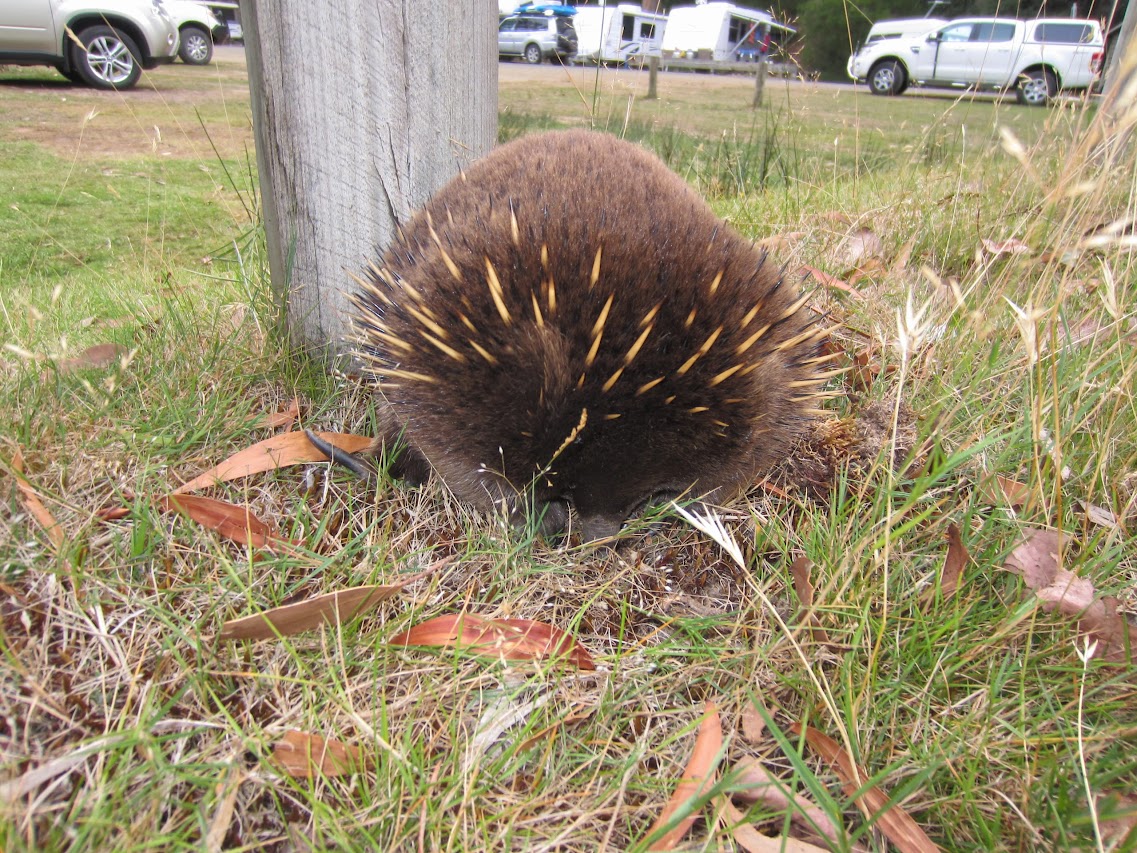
<point x="799" y="569"/>
<point x="288" y="448"/>
<point x="1100" y="515"/>
<point x="1036" y="558"/>
<point x="509" y="639"/>
<point x="893" y="821"/>
<point x="1012" y="246"/>
<point x="753" y="723"/>
<point x="232" y="522"/>
<point x="858" y="247"/>
<point x="780" y="242"/>
<point x="752" y="841"/>
<point x="826" y="280"/>
<point x="696" y="778"/>
<point x="866" y="269"/>
<point x="34" y="505"/>
<point x="303" y="756"/>
<point x="765" y="787"/>
<point x="330" y="609"/>
<point x="283" y="418"/>
<point x="1003" y="491"/>
<point x="900" y="262"/>
<point x="100" y="355"/>
<point x="955" y="561"/>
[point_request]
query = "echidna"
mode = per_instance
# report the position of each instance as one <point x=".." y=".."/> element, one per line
<point x="568" y="323"/>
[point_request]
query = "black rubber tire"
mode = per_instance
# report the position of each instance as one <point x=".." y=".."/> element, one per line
<point x="1037" y="87"/>
<point x="532" y="54"/>
<point x="196" y="47"/>
<point x="108" y="58"/>
<point x="887" y="77"/>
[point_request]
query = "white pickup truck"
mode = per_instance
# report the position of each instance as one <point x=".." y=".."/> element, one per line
<point x="1036" y="58"/>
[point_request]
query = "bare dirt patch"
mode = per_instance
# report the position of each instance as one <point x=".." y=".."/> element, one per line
<point x="176" y="111"/>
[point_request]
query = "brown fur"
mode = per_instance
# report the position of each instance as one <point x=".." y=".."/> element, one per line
<point x="521" y="380"/>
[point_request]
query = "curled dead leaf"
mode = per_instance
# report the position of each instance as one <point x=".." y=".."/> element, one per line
<point x="303" y="756"/>
<point x="284" y="418"/>
<point x="509" y="639"/>
<point x="697" y="777"/>
<point x="235" y="523"/>
<point x="97" y="356"/>
<point x="752" y="841"/>
<point x="332" y="608"/>
<point x="1036" y="560"/>
<point x="34" y="505"/>
<point x="955" y="561"/>
<point x="803" y="586"/>
<point x="763" y="786"/>
<point x="893" y="821"/>
<point x="1003" y="491"/>
<point x="859" y="246"/>
<point x="289" y="448"/>
<point x="999" y="248"/>
<point x="826" y="280"/>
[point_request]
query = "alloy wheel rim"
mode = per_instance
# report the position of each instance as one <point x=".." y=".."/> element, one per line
<point x="109" y="59"/>
<point x="195" y="44"/>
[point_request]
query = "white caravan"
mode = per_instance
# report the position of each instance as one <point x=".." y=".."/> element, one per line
<point x="721" y="32"/>
<point x="617" y="33"/>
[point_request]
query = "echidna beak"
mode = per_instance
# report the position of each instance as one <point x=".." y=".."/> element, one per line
<point x="597" y="527"/>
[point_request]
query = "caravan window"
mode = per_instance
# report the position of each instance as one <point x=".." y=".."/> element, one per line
<point x="740" y="29"/>
<point x="627" y="31"/>
<point x="647" y="31"/>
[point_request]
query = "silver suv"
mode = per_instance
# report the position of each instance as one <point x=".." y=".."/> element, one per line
<point x="536" y="37"/>
<point x="104" y="43"/>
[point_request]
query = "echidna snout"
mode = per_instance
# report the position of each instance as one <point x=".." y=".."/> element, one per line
<point x="568" y="323"/>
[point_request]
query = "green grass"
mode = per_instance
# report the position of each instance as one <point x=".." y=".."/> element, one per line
<point x="967" y="710"/>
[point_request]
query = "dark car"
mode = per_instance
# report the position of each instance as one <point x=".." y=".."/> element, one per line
<point x="536" y="37"/>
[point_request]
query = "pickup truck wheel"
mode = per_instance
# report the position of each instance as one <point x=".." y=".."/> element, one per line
<point x="196" y="47"/>
<point x="1037" y="87"/>
<point x="106" y="59"/>
<point x="887" y="78"/>
<point x="532" y="54"/>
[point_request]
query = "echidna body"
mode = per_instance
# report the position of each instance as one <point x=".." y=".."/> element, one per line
<point x="569" y="323"/>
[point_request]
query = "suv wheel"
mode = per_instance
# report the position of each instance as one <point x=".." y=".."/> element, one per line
<point x="106" y="58"/>
<point x="532" y="54"/>
<point x="197" y="46"/>
<point x="1037" y="87"/>
<point x="887" y="78"/>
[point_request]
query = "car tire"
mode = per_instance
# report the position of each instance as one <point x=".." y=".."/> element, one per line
<point x="105" y="58"/>
<point x="532" y="54"/>
<point x="1036" y="87"/>
<point x="887" y="78"/>
<point x="196" y="47"/>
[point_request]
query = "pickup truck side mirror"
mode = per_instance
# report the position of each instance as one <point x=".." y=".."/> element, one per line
<point x="934" y="37"/>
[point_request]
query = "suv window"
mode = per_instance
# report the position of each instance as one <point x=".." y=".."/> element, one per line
<point x="1064" y="33"/>
<point x="564" y="27"/>
<point x="532" y="25"/>
<point x="991" y="31"/>
<point x="960" y="32"/>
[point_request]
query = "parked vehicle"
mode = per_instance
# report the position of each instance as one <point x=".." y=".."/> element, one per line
<point x="720" y="32"/>
<point x="103" y="43"/>
<point x="198" y="28"/>
<point x="618" y="33"/>
<point x="536" y="37"/>
<point x="902" y="28"/>
<point x="1036" y="58"/>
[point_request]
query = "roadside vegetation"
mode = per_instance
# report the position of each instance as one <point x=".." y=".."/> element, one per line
<point x="942" y="579"/>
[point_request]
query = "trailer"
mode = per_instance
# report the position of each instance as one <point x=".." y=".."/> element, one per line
<point x="721" y="32"/>
<point x="618" y="33"/>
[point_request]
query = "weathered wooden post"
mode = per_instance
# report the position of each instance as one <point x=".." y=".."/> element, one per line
<point x="358" y="117"/>
<point x="652" y="75"/>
